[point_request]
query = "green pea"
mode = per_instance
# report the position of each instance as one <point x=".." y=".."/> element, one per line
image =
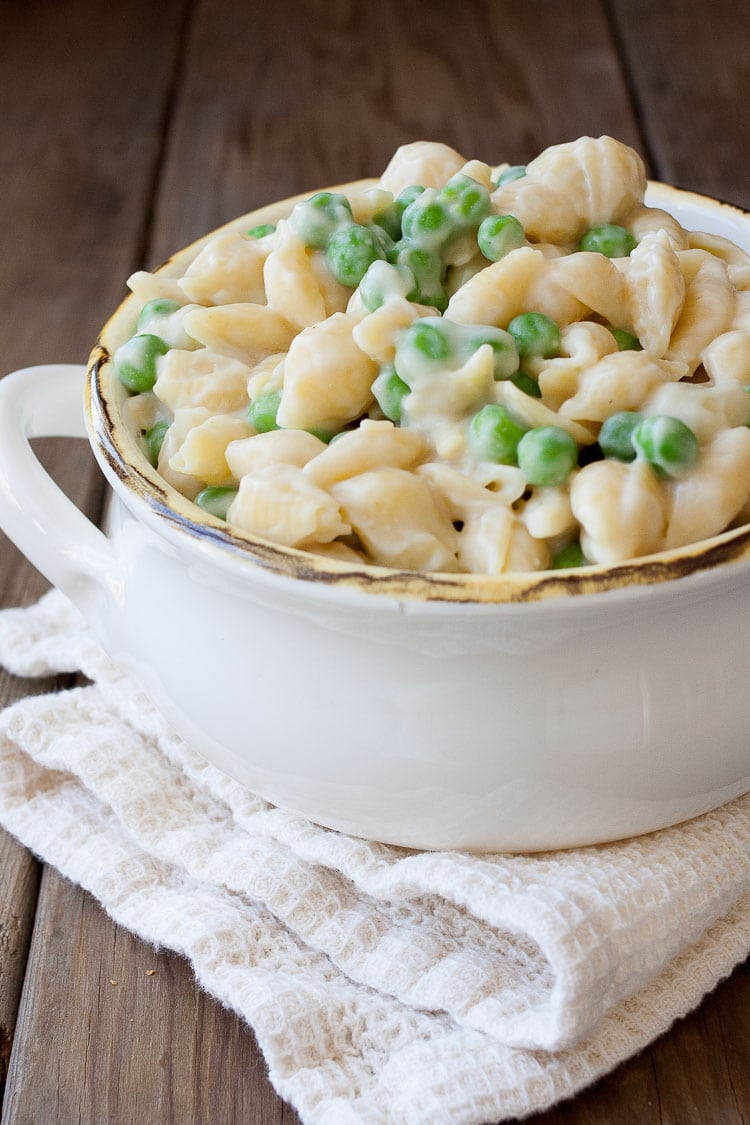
<point x="390" y="391"/>
<point x="216" y="500"/>
<point x="616" y="435"/>
<point x="164" y="318"/>
<point x="350" y="253"/>
<point x="494" y="435"/>
<point x="514" y="172"/>
<point x="626" y="341"/>
<point x="569" y="556"/>
<point x="322" y="435"/>
<point x="667" y="444"/>
<point x="408" y="195"/>
<point x="498" y="235"/>
<point x="384" y="240"/>
<point x="389" y="218"/>
<point x="261" y="413"/>
<point x="526" y="384"/>
<point x="468" y="201"/>
<point x="316" y="219"/>
<point x="608" y="239"/>
<point x="428" y="274"/>
<point x="135" y="362"/>
<point x="429" y="337"/>
<point x="154" y="441"/>
<point x="384" y="280"/>
<point x="261" y="231"/>
<point x="427" y="221"/>
<point x="535" y="335"/>
<point x="155" y="310"/>
<point x="502" y="343"/>
<point x="547" y="455"/>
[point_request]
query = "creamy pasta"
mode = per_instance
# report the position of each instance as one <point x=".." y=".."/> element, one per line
<point x="460" y="368"/>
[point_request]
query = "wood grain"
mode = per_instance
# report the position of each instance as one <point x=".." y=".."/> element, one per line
<point x="80" y="140"/>
<point x="689" y="73"/>
<point x="18" y="891"/>
<point x="117" y="1032"/>
<point x="123" y="136"/>
<point x="84" y="92"/>
<point x="696" y="1074"/>
<point x="708" y="1083"/>
<point x="279" y="98"/>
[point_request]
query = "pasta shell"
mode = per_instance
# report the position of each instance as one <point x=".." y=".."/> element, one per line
<point x="278" y="502"/>
<point x="277" y="447"/>
<point x="532" y="412"/>
<point x="327" y="378"/>
<point x="228" y="269"/>
<point x="621" y="509"/>
<point x="590" y="280"/>
<point x="292" y="286"/>
<point x="395" y="516"/>
<point x="708" y="309"/>
<point x="572" y="187"/>
<point x="203" y="452"/>
<point x="708" y="498"/>
<point x="246" y="330"/>
<point x="582" y="345"/>
<point x="185" y="419"/>
<point x="460" y="494"/>
<point x="202" y="378"/>
<point x="727" y="358"/>
<point x="152" y="286"/>
<point x="372" y="444"/>
<point x="620" y="381"/>
<point x="428" y="163"/>
<point x="706" y="409"/>
<point x="548" y="513"/>
<point x="442" y="397"/>
<point x="496" y="294"/>
<point x="376" y="333"/>
<point x="643" y="220"/>
<point x="656" y="291"/>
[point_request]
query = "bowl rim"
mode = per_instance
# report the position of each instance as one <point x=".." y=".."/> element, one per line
<point x="168" y="510"/>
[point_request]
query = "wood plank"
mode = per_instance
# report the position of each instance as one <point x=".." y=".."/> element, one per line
<point x="283" y="98"/>
<point x="688" y="73"/>
<point x="80" y="139"/>
<point x="627" y="1095"/>
<point x="19" y="884"/>
<point x="696" y="1074"/>
<point x="79" y="148"/>
<point x="263" y="107"/>
<point x="84" y="90"/>
<point x="703" y="1066"/>
<point x="18" y="895"/>
<point x="732" y="1004"/>
<point x="135" y="1040"/>
<point x="690" y="77"/>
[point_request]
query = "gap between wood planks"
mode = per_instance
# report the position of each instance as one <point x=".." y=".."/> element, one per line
<point x="144" y="237"/>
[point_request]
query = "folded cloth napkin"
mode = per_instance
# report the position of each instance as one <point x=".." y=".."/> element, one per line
<point x="384" y="985"/>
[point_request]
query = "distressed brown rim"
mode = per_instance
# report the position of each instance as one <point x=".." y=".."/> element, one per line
<point x="119" y="451"/>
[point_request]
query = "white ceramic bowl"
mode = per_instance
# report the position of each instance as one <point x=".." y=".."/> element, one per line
<point x="523" y="712"/>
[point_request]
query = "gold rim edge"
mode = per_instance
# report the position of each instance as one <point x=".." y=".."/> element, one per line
<point x="127" y="462"/>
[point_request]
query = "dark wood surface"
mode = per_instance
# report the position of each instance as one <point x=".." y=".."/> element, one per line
<point x="126" y="130"/>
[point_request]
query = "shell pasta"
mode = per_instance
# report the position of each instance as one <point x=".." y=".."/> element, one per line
<point x="461" y="368"/>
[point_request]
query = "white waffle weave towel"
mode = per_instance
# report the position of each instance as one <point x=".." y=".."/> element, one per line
<point x="384" y="986"/>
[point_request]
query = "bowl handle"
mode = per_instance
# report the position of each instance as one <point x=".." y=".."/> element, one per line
<point x="68" y="549"/>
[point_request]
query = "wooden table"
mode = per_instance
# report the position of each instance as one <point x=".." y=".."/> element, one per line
<point x="126" y="130"/>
